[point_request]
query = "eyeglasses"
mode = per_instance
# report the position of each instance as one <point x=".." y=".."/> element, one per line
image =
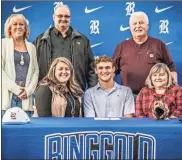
<point x="61" y="16"/>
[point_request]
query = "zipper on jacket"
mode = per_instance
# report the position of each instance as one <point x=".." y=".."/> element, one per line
<point x="72" y="54"/>
<point x="49" y="57"/>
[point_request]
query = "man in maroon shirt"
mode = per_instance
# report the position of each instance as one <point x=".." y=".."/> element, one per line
<point x="135" y="57"/>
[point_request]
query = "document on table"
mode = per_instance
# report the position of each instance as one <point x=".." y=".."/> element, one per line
<point x="107" y="118"/>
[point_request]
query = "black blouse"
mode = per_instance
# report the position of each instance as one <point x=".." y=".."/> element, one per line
<point x="43" y="98"/>
<point x="72" y="104"/>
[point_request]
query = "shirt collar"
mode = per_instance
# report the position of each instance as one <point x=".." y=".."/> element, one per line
<point x="68" y="33"/>
<point x="148" y="38"/>
<point x="158" y="95"/>
<point x="98" y="86"/>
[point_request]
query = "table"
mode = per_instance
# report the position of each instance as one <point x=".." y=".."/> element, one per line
<point x="87" y="138"/>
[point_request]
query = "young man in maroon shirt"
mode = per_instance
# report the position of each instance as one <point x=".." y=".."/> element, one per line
<point x="135" y="57"/>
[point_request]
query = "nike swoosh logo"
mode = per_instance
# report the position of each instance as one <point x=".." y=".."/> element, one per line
<point x="92" y="10"/>
<point x="169" y="43"/>
<point x="97" y="44"/>
<point x="15" y="10"/>
<point x="124" y="28"/>
<point x="161" y="10"/>
<point x="95" y="57"/>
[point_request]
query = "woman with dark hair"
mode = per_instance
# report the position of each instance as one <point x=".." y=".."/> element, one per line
<point x="160" y="91"/>
<point x="58" y="94"/>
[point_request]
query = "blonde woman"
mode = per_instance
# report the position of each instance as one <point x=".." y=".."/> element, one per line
<point x="58" y="94"/>
<point x="19" y="65"/>
<point x="160" y="86"/>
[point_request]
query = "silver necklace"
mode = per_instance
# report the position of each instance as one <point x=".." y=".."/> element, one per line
<point x="22" y="59"/>
<point x="72" y="105"/>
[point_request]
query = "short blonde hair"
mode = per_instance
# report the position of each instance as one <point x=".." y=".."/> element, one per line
<point x="8" y="23"/>
<point x="156" y="69"/>
<point x="133" y="15"/>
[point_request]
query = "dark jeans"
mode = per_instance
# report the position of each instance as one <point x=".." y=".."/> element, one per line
<point x="16" y="102"/>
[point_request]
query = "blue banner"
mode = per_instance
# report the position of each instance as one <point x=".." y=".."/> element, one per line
<point x="106" y="23"/>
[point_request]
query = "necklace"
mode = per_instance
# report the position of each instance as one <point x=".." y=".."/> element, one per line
<point x="72" y="105"/>
<point x="22" y="59"/>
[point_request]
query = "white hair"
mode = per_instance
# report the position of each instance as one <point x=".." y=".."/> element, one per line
<point x="60" y="4"/>
<point x="133" y="15"/>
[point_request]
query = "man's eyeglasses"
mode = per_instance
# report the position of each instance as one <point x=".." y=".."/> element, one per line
<point x="61" y="16"/>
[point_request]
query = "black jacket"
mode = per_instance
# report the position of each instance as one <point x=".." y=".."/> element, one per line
<point x="82" y="58"/>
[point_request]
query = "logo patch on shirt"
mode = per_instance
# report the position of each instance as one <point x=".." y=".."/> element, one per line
<point x="78" y="43"/>
<point x="151" y="55"/>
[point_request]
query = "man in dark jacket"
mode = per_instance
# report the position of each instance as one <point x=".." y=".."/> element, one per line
<point x="63" y="41"/>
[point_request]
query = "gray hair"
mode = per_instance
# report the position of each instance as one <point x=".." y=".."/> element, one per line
<point x="139" y="14"/>
<point x="156" y="69"/>
<point x="59" y="5"/>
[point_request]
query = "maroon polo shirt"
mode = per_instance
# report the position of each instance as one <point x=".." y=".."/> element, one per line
<point x="135" y="60"/>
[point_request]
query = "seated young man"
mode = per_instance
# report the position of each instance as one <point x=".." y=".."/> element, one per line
<point x="107" y="98"/>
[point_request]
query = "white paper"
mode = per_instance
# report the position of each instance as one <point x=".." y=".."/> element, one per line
<point x="107" y="118"/>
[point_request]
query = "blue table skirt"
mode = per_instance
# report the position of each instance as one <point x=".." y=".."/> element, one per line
<point x="86" y="138"/>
